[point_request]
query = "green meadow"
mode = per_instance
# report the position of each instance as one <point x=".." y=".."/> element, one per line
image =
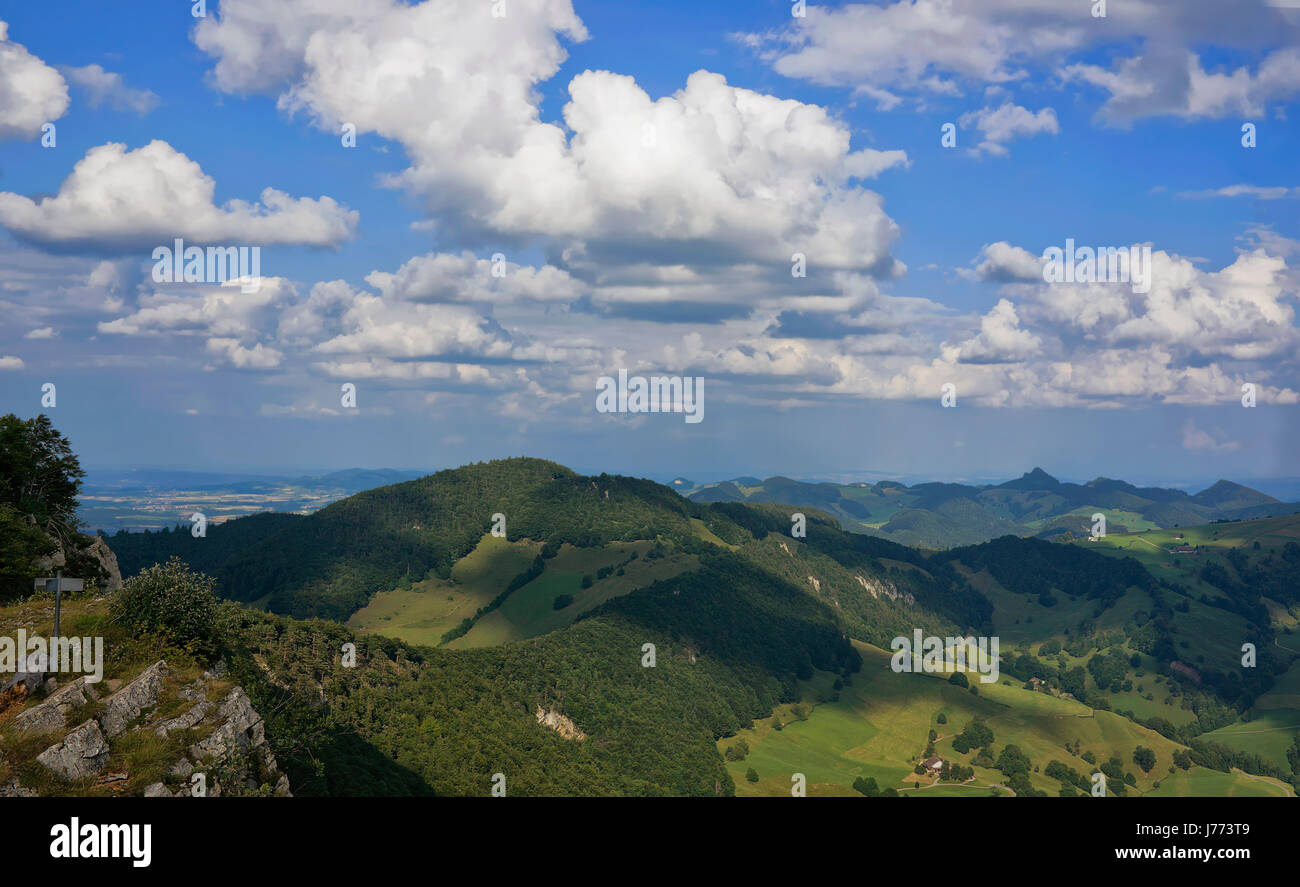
<point x="530" y="610"/>
<point x="879" y="726"/>
<point x="424" y="611"/>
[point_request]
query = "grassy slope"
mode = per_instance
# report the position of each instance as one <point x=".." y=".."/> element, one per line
<point x="1275" y="721"/>
<point x="820" y="747"/>
<point x="878" y="728"/>
<point x="530" y="611"/>
<point x="1020" y="619"/>
<point x="423" y="612"/>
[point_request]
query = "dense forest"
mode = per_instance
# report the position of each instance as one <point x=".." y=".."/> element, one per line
<point x="729" y="644"/>
<point x="1035" y="567"/>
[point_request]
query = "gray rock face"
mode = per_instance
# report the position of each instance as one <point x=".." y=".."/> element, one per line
<point x="240" y="735"/>
<point x="185" y="721"/>
<point x="240" y="729"/>
<point x="126" y="704"/>
<point x="53" y="712"/>
<point x="82" y="753"/>
<point x="99" y="548"/>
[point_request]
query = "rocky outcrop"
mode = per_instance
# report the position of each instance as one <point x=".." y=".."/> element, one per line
<point x="108" y="563"/>
<point x="235" y="751"/>
<point x="185" y="721"/>
<point x="95" y="549"/>
<point x="26" y="681"/>
<point x="126" y="704"/>
<point x="878" y="587"/>
<point x="240" y="730"/>
<point x="549" y="717"/>
<point x="82" y="753"/>
<point x="229" y="745"/>
<point x="52" y="714"/>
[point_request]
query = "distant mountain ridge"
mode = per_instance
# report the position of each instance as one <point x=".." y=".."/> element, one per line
<point x="749" y="619"/>
<point x="945" y="515"/>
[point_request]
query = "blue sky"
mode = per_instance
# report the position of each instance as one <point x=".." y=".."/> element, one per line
<point x="770" y="134"/>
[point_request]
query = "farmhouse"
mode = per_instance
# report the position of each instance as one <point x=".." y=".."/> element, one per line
<point x="934" y="765"/>
<point x="1184" y="549"/>
<point x="1035" y="684"/>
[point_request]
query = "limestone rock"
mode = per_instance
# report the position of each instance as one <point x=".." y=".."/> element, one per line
<point x="240" y="729"/>
<point x="126" y="704"/>
<point x="99" y="550"/>
<point x="157" y="790"/>
<point x="185" y="721"/>
<point x="53" y="712"/>
<point x="82" y="753"/>
<point x="549" y="717"/>
<point x="108" y="562"/>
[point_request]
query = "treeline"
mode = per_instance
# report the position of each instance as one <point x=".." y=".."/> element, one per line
<point x="1036" y="567"/>
<point x="208" y="554"/>
<point x="1249" y="582"/>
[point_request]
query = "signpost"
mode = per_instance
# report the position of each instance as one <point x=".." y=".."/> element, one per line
<point x="59" y="585"/>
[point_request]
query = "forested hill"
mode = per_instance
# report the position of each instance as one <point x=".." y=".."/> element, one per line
<point x="331" y="563"/>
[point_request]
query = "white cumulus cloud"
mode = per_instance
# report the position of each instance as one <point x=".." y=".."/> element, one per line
<point x="31" y="92"/>
<point x="116" y="200"/>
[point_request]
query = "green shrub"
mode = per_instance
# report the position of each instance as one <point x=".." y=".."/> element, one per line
<point x="172" y="599"/>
